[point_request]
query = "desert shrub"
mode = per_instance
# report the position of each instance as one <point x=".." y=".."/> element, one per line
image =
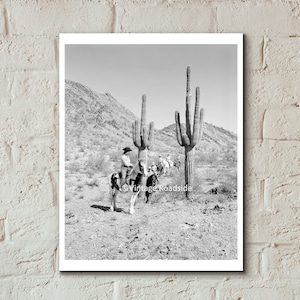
<point x="228" y="178"/>
<point x="211" y="174"/>
<point x="98" y="163"/>
<point x="73" y="168"/>
<point x="79" y="185"/>
<point x="67" y="157"/>
<point x="207" y="157"/>
<point x="229" y="158"/>
<point x="178" y="180"/>
<point x="68" y="197"/>
<point x="92" y="182"/>
<point x="81" y="148"/>
<point x="115" y="156"/>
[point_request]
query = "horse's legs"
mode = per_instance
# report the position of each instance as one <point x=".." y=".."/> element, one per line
<point x="147" y="196"/>
<point x="113" y="197"/>
<point x="132" y="202"/>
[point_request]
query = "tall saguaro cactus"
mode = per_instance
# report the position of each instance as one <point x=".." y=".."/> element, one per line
<point x="141" y="139"/>
<point x="191" y="135"/>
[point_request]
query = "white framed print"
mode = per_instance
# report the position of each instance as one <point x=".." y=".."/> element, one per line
<point x="150" y="152"/>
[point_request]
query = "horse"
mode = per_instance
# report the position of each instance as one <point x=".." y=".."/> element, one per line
<point x="177" y="164"/>
<point x="171" y="163"/>
<point x="137" y="174"/>
<point x="163" y="167"/>
<point x="151" y="182"/>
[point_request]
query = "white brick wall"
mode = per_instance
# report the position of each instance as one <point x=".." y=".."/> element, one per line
<point x="29" y="138"/>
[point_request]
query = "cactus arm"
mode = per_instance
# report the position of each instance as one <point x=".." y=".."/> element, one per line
<point x="178" y="128"/>
<point x="151" y="135"/>
<point x="188" y="114"/>
<point x="144" y="111"/>
<point x="137" y="134"/>
<point x="201" y="123"/>
<point x="196" y="127"/>
<point x="133" y="134"/>
<point x="185" y="139"/>
<point x="144" y="138"/>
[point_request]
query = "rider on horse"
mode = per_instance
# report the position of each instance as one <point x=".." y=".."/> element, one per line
<point x="126" y="165"/>
<point x="169" y="159"/>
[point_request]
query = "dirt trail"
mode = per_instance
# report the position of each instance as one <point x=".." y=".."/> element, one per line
<point x="165" y="229"/>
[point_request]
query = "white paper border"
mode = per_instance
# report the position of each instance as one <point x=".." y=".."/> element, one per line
<point x="166" y="39"/>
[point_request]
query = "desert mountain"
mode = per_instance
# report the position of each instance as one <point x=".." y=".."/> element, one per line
<point x="99" y="118"/>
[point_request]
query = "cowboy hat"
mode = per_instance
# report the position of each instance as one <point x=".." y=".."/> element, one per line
<point x="126" y="149"/>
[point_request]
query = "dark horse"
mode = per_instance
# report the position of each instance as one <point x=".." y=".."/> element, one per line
<point x="134" y="183"/>
<point x="151" y="183"/>
<point x="177" y="164"/>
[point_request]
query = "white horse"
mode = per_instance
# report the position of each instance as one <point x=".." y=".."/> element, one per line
<point x="164" y="166"/>
<point x="134" y="183"/>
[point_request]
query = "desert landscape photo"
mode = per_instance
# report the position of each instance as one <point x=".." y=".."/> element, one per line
<point x="170" y="226"/>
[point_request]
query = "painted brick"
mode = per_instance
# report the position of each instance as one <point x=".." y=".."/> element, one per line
<point x="7" y="178"/>
<point x="5" y="158"/>
<point x="5" y="86"/>
<point x="3" y="29"/>
<point x="29" y="158"/>
<point x="282" y="124"/>
<point x="30" y="224"/>
<point x="51" y="18"/>
<point x="5" y="289"/>
<point x="29" y="288"/>
<point x="104" y="292"/>
<point x="283" y="54"/>
<point x="2" y="230"/>
<point x="272" y="157"/>
<point x="253" y="50"/>
<point x="252" y="261"/>
<point x="254" y="291"/>
<point x="282" y="262"/>
<point x="7" y="188"/>
<point x="282" y="192"/>
<point x="272" y="90"/>
<point x="34" y="87"/>
<point x="26" y="288"/>
<point x="85" y="280"/>
<point x="35" y="190"/>
<point x="253" y="191"/>
<point x="253" y="121"/>
<point x="258" y="17"/>
<point x="175" y="289"/>
<point x="27" y="258"/>
<point x="27" y="53"/>
<point x="39" y="155"/>
<point x="165" y="18"/>
<point x="274" y="226"/>
<point x="34" y="121"/>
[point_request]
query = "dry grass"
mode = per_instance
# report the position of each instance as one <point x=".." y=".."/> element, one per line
<point x="98" y="163"/>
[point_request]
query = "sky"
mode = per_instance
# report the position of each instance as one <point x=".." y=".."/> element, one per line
<point x="159" y="71"/>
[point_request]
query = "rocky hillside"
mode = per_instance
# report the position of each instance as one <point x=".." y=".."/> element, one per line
<point x="99" y="118"/>
<point x="87" y="110"/>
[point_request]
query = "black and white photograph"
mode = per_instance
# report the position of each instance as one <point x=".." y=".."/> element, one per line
<point x="151" y="152"/>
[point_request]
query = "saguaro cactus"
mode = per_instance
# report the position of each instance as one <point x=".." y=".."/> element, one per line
<point x="141" y="139"/>
<point x="189" y="137"/>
